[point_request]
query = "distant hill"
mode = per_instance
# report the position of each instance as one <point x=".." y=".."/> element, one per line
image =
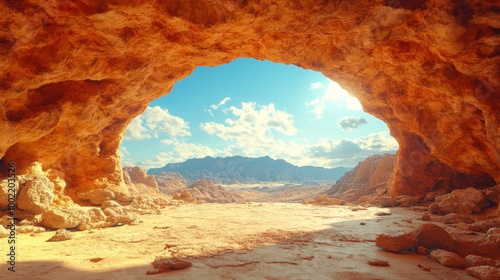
<point x="244" y="170"/>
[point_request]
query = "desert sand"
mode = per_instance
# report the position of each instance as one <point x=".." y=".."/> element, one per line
<point x="234" y="241"/>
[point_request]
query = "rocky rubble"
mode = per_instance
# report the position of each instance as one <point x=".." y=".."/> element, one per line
<point x="471" y="239"/>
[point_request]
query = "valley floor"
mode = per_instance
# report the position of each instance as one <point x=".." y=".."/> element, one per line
<point x="233" y="241"/>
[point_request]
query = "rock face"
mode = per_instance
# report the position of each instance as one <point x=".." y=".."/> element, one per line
<point x="73" y="74"/>
<point x="466" y="201"/>
<point x="171" y="182"/>
<point x="138" y="175"/>
<point x="365" y="179"/>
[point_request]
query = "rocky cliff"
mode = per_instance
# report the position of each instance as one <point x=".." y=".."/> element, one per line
<point x="171" y="182"/>
<point x="73" y="74"/>
<point x="366" y="179"/>
<point x="137" y="175"/>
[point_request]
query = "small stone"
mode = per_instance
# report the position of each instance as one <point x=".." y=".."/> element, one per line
<point x="166" y="264"/>
<point x="423" y="267"/>
<point x="426" y="217"/>
<point x="376" y="262"/>
<point x="383" y="214"/>
<point x="61" y="235"/>
<point x="448" y="259"/>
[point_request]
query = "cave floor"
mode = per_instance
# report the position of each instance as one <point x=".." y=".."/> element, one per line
<point x="234" y="241"/>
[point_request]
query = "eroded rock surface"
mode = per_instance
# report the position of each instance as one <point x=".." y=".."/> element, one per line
<point x="73" y="74"/>
<point x="369" y="179"/>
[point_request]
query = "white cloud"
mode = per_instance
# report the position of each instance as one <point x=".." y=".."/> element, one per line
<point x="347" y="152"/>
<point x="333" y="94"/>
<point x="159" y="160"/>
<point x="122" y="151"/>
<point x="252" y="131"/>
<point x="316" y="85"/>
<point x="222" y="102"/>
<point x="185" y="150"/>
<point x="349" y="123"/>
<point x="155" y="121"/>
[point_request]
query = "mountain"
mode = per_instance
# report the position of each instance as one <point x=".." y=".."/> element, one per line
<point x="244" y="170"/>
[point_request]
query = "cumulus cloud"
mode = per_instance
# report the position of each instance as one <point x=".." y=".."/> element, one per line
<point x="347" y="152"/>
<point x="349" y="123"/>
<point x="252" y="127"/>
<point x="155" y="121"/>
<point x="334" y="94"/>
<point x="185" y="150"/>
<point x="159" y="160"/>
<point x="316" y="85"/>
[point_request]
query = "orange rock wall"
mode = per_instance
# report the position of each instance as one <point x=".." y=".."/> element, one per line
<point x="73" y="74"/>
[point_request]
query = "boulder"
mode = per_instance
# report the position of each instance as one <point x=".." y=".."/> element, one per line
<point x="29" y="229"/>
<point x="36" y="195"/>
<point x="396" y="242"/>
<point x="474" y="260"/>
<point x="463" y="201"/>
<point x="448" y="259"/>
<point x="118" y="215"/>
<point x="454" y="218"/>
<point x="484" y="272"/>
<point x="64" y="218"/>
<point x="433" y="236"/>
<point x="61" y="235"/>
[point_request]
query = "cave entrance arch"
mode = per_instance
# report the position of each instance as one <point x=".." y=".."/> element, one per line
<point x="78" y="73"/>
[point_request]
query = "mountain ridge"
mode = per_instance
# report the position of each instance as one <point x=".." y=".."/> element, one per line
<point x="238" y="169"/>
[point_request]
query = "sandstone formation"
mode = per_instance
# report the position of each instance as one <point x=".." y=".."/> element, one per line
<point x="138" y="175"/>
<point x="73" y="74"/>
<point x="484" y="272"/>
<point x="465" y="201"/>
<point x="171" y="182"/>
<point x="184" y="196"/>
<point x="369" y="178"/>
<point x="448" y="259"/>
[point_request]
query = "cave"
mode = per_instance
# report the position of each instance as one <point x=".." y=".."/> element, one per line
<point x="75" y="73"/>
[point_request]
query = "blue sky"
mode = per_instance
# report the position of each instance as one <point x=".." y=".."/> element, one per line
<point x="255" y="108"/>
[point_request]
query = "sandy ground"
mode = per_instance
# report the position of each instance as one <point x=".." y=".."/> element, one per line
<point x="233" y="241"/>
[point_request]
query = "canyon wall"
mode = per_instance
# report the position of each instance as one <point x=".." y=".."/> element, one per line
<point x="73" y="74"/>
